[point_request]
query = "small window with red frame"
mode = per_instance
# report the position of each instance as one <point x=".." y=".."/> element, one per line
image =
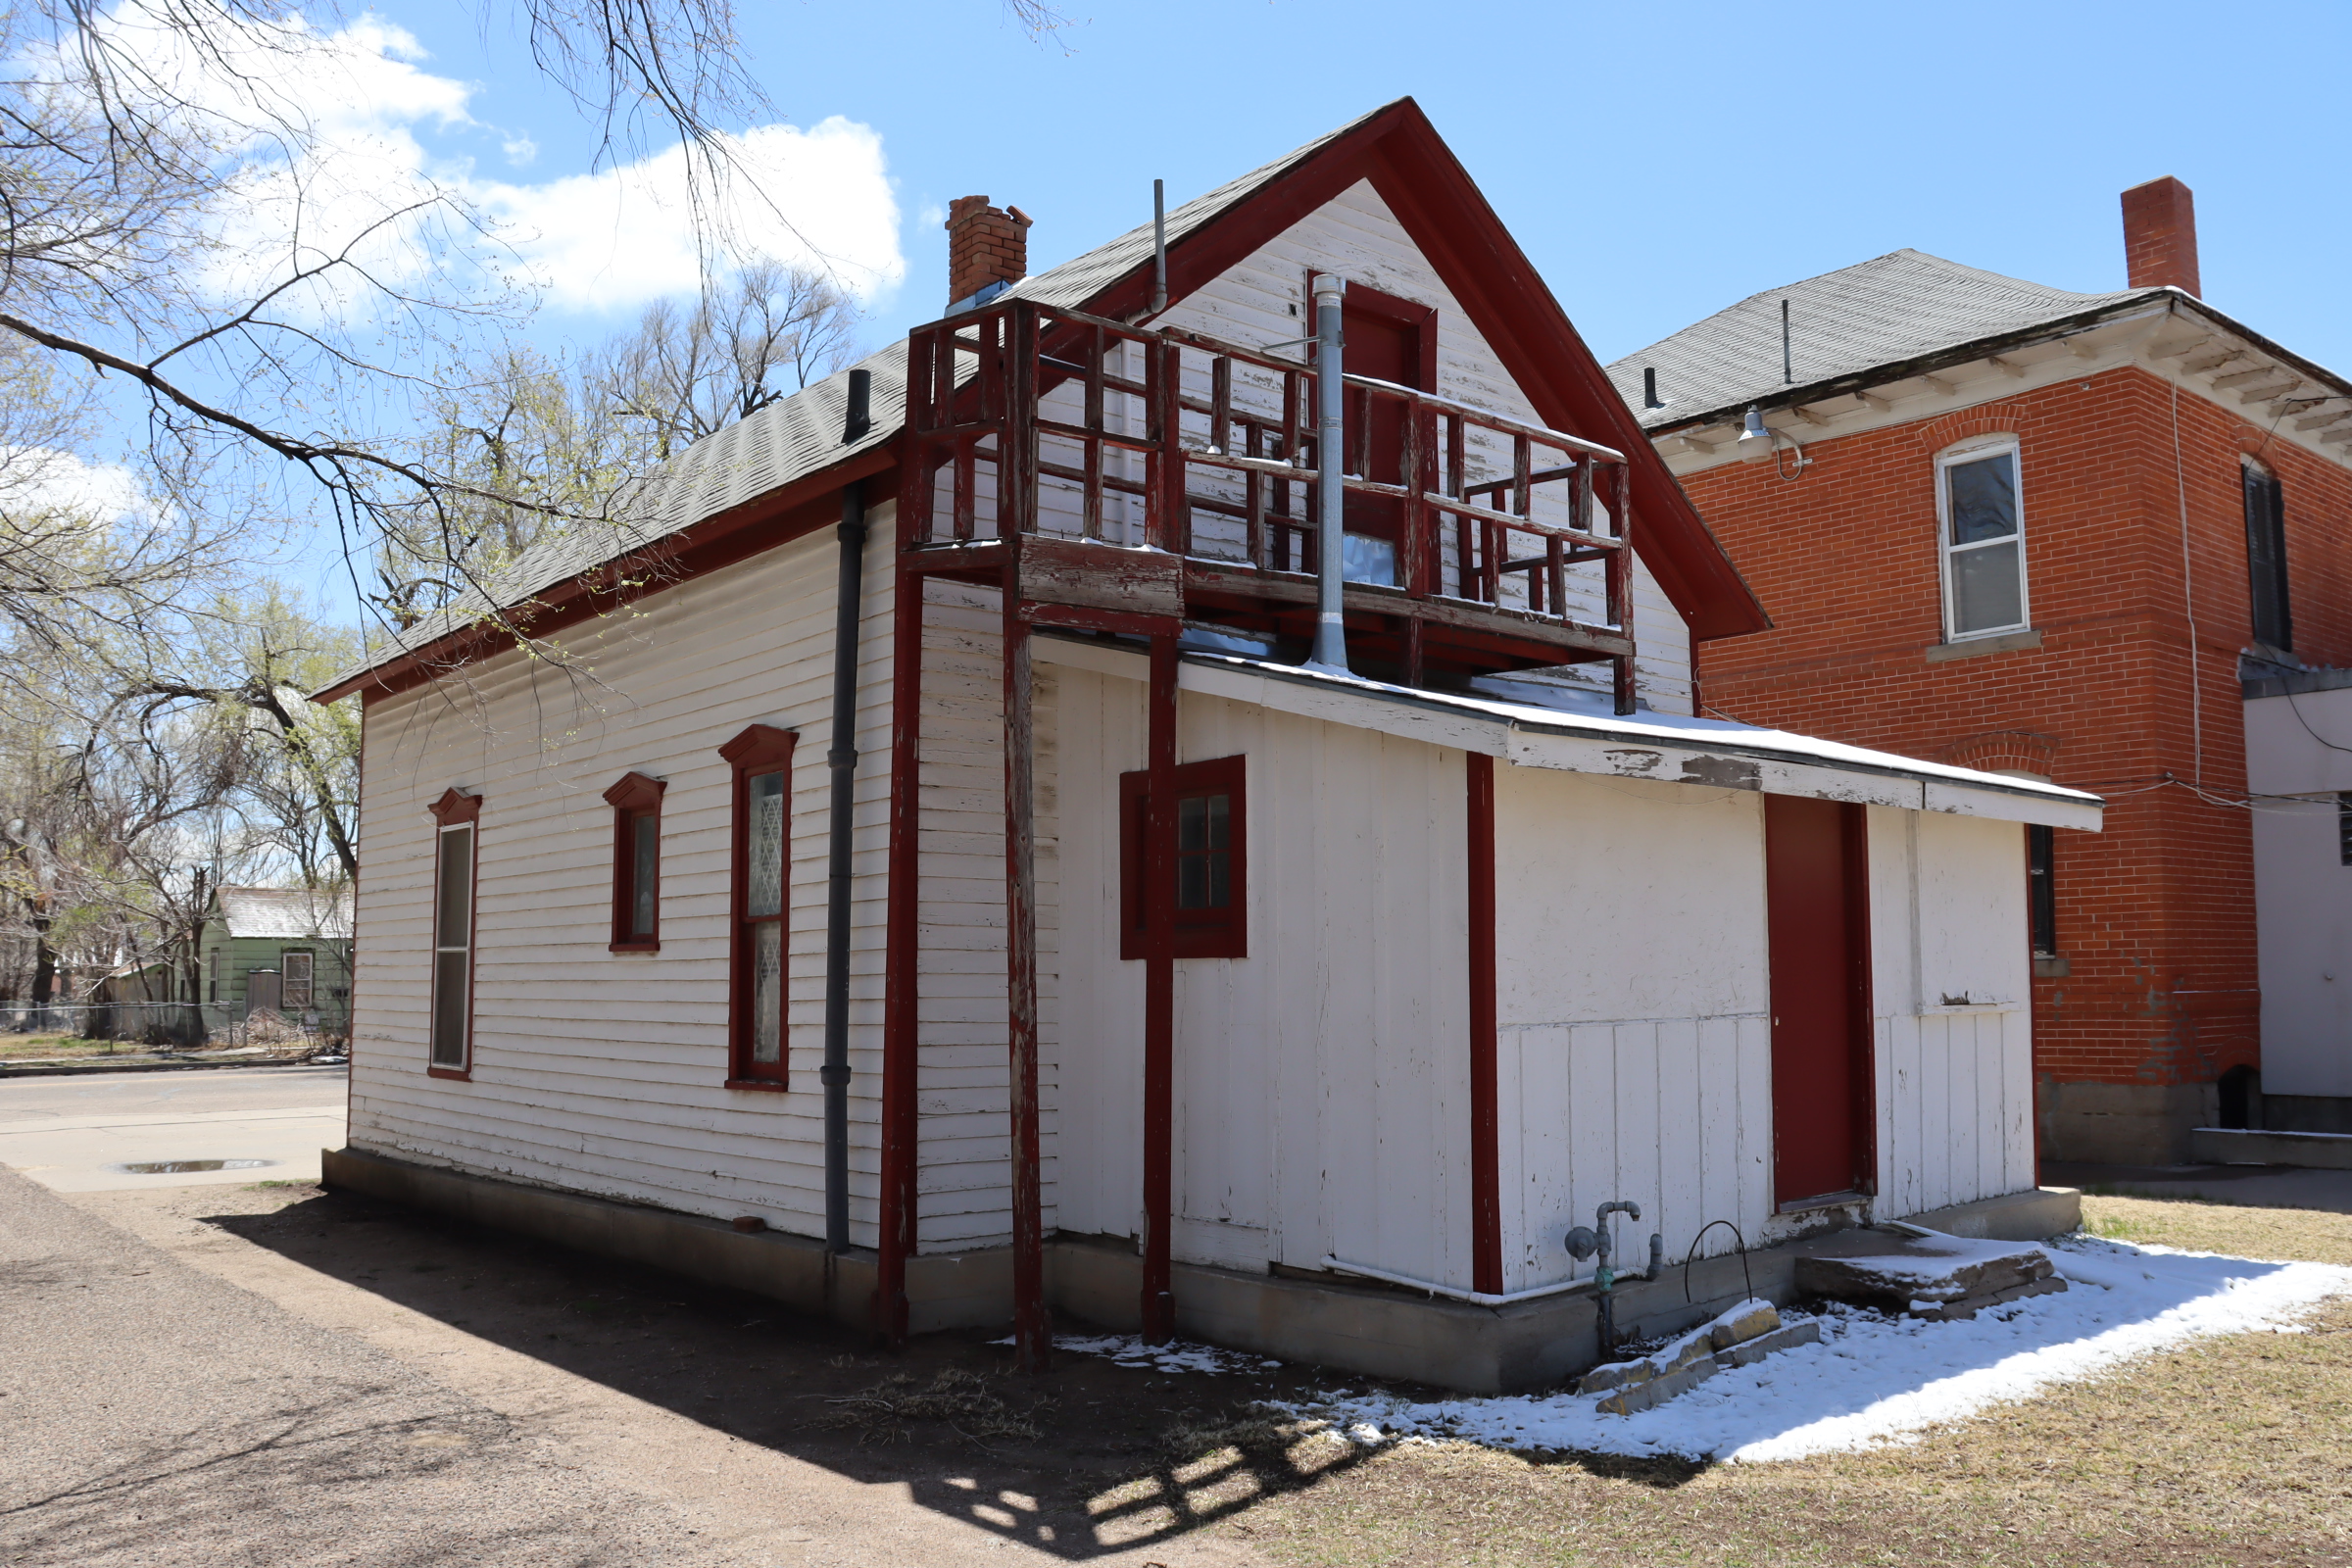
<point x="1207" y="894"/>
<point x="636" y="803"/>
<point x="761" y="762"/>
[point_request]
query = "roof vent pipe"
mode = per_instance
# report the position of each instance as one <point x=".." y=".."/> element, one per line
<point x="1650" y="388"/>
<point x="861" y="404"/>
<point x="1330" y="488"/>
<point x="1159" y="246"/>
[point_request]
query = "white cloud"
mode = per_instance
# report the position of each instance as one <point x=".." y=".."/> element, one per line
<point x="363" y="174"/>
<point x="43" y="479"/>
<point x="622" y="237"/>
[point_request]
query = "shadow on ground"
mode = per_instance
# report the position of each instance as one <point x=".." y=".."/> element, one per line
<point x="1086" y="1459"/>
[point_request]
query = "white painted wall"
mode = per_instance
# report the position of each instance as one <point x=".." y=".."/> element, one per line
<point x="1955" y="1079"/>
<point x="1321" y="1082"/>
<point x="1634" y="1048"/>
<point x="592" y="1070"/>
<point x="2302" y="890"/>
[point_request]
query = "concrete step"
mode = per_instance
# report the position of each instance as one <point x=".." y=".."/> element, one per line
<point x="1923" y="1273"/>
<point x="2253" y="1146"/>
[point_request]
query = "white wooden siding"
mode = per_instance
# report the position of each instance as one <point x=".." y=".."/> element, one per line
<point x="592" y="1070"/>
<point x="1322" y="1082"/>
<point x="1634" y="1045"/>
<point x="1955" y="1100"/>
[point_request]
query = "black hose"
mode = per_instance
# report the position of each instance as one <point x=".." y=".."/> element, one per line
<point x="1693" y="1253"/>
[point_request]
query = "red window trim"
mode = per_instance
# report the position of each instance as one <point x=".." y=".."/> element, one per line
<point x="1202" y="934"/>
<point x="756" y="749"/>
<point x="636" y="794"/>
<point x="457" y="809"/>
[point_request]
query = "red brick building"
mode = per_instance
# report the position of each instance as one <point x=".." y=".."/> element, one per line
<point x="2013" y="528"/>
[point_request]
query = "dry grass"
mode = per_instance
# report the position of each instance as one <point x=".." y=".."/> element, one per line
<point x="53" y="1047"/>
<point x="2225" y="1451"/>
<point x="958" y="1401"/>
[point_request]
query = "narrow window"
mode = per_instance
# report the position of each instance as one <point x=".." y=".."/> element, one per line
<point x="1210" y="891"/>
<point x="2266" y="560"/>
<point x="761" y="759"/>
<point x="294" y="970"/>
<point x="2041" y="890"/>
<point x="211" y="965"/>
<point x="2343" y="828"/>
<point x="454" y="882"/>
<point x="1983" y="542"/>
<point x="636" y="803"/>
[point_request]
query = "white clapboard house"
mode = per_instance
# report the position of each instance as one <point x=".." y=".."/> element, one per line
<point x="1089" y="947"/>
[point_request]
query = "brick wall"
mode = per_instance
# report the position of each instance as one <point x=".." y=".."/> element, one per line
<point x="2155" y="914"/>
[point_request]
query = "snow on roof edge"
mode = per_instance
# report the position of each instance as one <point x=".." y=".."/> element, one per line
<point x="1584" y="715"/>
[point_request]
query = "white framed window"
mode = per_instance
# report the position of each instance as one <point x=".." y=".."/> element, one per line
<point x="294" y="970"/>
<point x="1981" y="529"/>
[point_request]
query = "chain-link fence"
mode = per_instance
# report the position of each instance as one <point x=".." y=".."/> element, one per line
<point x="181" y="1025"/>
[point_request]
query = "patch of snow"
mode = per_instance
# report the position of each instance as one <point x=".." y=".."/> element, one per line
<point x="1874" y="1379"/>
<point x="1128" y="1350"/>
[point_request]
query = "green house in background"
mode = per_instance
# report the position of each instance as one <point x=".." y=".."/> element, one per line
<point x="285" y="949"/>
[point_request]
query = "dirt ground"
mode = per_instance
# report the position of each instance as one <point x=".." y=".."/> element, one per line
<point x="2224" y="1452"/>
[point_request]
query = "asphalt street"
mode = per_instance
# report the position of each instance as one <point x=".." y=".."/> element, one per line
<point x="77" y="1134"/>
<point x="272" y="1375"/>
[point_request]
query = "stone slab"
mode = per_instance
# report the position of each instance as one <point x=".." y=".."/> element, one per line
<point x="1657" y="1390"/>
<point x="1785" y="1337"/>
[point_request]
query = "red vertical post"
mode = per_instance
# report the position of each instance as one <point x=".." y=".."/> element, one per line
<point x="1620" y="576"/>
<point x="1159" y="995"/>
<point x="1032" y="1325"/>
<point x="1486" y="1141"/>
<point x="901" y="941"/>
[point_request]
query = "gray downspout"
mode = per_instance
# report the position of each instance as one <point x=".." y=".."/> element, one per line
<point x="842" y="758"/>
<point x="1330" y="493"/>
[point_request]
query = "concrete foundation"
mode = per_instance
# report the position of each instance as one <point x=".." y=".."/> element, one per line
<point x="2123" y="1124"/>
<point x="1321" y="1320"/>
<point x="2306" y="1113"/>
<point x="2234" y="1146"/>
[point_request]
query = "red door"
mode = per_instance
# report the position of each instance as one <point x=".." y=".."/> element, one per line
<point x="1386" y="338"/>
<point x="1817" y="903"/>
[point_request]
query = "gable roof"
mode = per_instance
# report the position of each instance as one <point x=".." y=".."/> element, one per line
<point x="1903" y="306"/>
<point x="283" y="912"/>
<point x="741" y="480"/>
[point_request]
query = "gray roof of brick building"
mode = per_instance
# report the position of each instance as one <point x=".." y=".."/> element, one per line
<point x="1900" y="307"/>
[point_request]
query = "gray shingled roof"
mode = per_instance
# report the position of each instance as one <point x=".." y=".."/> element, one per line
<point x="284" y="913"/>
<point x="801" y="434"/>
<point x="1900" y="307"/>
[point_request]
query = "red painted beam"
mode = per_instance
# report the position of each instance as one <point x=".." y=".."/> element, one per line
<point x="1032" y="1324"/>
<point x="1486" y="1143"/>
<point x="1160" y="997"/>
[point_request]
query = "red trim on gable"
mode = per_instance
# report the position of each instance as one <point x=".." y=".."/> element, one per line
<point x="760" y="524"/>
<point x="1442" y="207"/>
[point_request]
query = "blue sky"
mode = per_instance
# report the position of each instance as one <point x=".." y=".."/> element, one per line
<point x="1657" y="163"/>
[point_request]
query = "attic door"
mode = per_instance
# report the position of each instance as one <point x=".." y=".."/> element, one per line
<point x="1817" y="911"/>
<point x="1391" y="339"/>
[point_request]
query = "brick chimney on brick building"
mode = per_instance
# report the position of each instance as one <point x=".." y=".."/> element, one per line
<point x="987" y="250"/>
<point x="2160" y="235"/>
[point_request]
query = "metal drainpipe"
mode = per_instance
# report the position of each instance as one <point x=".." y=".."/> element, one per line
<point x="1331" y="452"/>
<point x="842" y="758"/>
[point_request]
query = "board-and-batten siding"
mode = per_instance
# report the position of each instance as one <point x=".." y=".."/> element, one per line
<point x="1633" y="1050"/>
<point x="1355" y="234"/>
<point x="1322" y="1086"/>
<point x="1955" y="1078"/>
<point x="592" y="1070"/>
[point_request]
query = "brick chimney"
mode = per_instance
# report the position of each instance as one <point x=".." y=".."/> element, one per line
<point x="2160" y="235"/>
<point x="985" y="246"/>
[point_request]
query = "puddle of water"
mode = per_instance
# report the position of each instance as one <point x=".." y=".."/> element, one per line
<point x="180" y="1167"/>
